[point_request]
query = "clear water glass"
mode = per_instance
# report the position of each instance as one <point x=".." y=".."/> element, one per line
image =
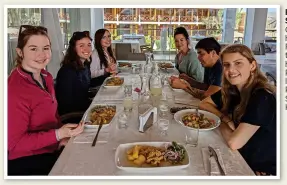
<point x="122" y="120"/>
<point x="163" y="109"/>
<point x="128" y="89"/>
<point x="191" y="137"/>
<point x="163" y="126"/>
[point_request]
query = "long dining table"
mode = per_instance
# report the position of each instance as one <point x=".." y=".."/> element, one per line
<point x="79" y="158"/>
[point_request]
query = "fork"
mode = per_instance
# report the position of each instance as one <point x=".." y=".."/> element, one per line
<point x="197" y="113"/>
<point x="96" y="137"/>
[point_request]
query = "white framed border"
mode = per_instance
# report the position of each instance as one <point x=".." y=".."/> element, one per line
<point x="278" y="98"/>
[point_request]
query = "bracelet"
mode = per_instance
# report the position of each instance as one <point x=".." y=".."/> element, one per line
<point x="221" y="117"/>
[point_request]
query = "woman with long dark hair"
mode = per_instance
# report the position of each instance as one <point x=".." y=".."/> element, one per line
<point x="73" y="78"/>
<point x="103" y="60"/>
<point x="186" y="60"/>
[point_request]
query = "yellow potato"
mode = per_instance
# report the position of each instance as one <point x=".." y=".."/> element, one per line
<point x="136" y="152"/>
<point x="131" y="158"/>
<point x="130" y="151"/>
<point x="140" y="160"/>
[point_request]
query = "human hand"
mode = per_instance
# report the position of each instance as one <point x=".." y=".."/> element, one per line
<point x="178" y="84"/>
<point x="63" y="143"/>
<point x="107" y="70"/>
<point x="184" y="76"/>
<point x="69" y="130"/>
<point x="113" y="67"/>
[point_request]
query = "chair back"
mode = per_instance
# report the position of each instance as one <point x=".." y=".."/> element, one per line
<point x="137" y="56"/>
<point x="122" y="50"/>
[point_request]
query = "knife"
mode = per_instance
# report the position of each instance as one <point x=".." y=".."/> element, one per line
<point x="214" y="154"/>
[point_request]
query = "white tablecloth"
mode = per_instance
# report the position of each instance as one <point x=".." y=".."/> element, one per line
<point x="79" y="158"/>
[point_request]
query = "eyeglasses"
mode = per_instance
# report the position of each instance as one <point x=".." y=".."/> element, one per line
<point x="30" y="27"/>
<point x="81" y="33"/>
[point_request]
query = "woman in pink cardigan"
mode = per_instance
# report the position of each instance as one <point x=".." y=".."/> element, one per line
<point x="35" y="133"/>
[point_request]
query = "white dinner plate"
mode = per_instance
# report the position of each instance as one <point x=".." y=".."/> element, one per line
<point x="123" y="163"/>
<point x="179" y="115"/>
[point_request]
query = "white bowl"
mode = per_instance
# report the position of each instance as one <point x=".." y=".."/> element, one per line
<point x="88" y="114"/>
<point x="111" y="86"/>
<point x="179" y="115"/>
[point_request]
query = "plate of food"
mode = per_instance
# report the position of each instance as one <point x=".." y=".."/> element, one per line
<point x="100" y="114"/>
<point x="151" y="156"/>
<point x="204" y="120"/>
<point x="166" y="66"/>
<point x="123" y="66"/>
<point x="114" y="82"/>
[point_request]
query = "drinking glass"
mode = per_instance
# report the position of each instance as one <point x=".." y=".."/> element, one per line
<point x="163" y="126"/>
<point x="163" y="109"/>
<point x="122" y="120"/>
<point x="128" y="103"/>
<point x="191" y="137"/>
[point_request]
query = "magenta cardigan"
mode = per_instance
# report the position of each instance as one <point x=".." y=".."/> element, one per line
<point x="32" y="115"/>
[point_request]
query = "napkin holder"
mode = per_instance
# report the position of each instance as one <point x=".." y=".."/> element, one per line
<point x="147" y="119"/>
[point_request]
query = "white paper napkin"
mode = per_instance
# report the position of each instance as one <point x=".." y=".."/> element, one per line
<point x="214" y="171"/>
<point x="88" y="137"/>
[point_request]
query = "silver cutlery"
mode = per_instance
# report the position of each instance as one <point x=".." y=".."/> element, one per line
<point x="96" y="137"/>
<point x="212" y="153"/>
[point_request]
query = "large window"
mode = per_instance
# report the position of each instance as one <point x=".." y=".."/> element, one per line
<point x="19" y="16"/>
<point x="270" y="31"/>
<point x="158" y="24"/>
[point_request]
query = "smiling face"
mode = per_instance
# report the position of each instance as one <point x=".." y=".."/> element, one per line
<point x="237" y="69"/>
<point x="84" y="48"/>
<point x="106" y="40"/>
<point x="180" y="42"/>
<point x="36" y="54"/>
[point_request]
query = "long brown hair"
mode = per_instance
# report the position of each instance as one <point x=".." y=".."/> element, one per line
<point x="71" y="57"/>
<point x="25" y="35"/>
<point x="98" y="37"/>
<point x="257" y="80"/>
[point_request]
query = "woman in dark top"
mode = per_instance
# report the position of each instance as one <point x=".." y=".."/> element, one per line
<point x="73" y="78"/>
<point x="246" y="105"/>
